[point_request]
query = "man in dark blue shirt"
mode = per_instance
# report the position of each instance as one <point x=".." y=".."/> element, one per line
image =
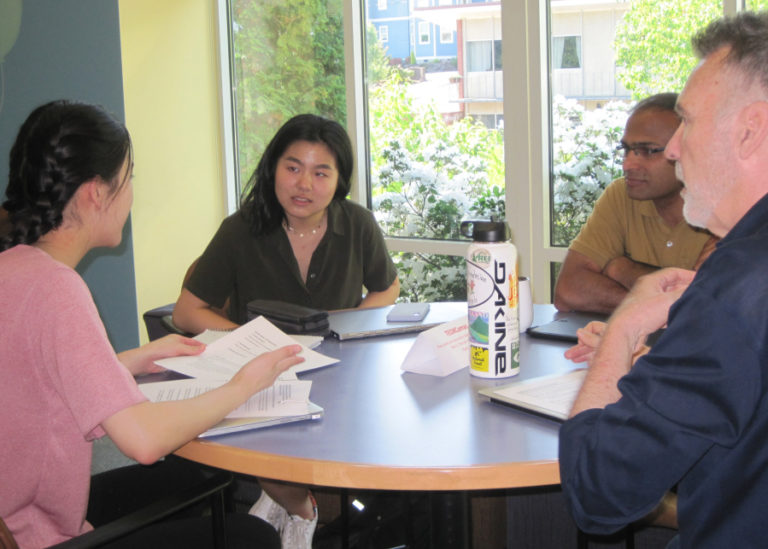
<point x="693" y="412"/>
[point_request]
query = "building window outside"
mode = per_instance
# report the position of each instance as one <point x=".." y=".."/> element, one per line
<point x="381" y="4"/>
<point x="446" y="35"/>
<point x="484" y="56"/>
<point x="383" y="34"/>
<point x="566" y="52"/>
<point x="423" y="32"/>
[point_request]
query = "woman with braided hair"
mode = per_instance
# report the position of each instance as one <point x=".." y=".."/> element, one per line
<point x="70" y="191"/>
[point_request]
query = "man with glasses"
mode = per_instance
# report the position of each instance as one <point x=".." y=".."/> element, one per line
<point x="692" y="414"/>
<point x="637" y="224"/>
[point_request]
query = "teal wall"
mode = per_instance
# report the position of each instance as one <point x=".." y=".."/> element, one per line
<point x="70" y="49"/>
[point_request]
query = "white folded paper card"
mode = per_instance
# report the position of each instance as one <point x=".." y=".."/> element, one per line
<point x="441" y="350"/>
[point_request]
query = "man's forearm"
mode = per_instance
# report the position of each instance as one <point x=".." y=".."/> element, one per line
<point x="588" y="291"/>
<point x="625" y="271"/>
<point x="612" y="360"/>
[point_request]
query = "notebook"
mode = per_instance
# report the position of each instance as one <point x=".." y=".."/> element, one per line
<point x="359" y="323"/>
<point x="548" y="396"/>
<point x="563" y="328"/>
<point x="235" y="425"/>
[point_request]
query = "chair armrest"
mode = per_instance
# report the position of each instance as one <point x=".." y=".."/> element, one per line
<point x="159" y="322"/>
<point x="6" y="538"/>
<point x="212" y="487"/>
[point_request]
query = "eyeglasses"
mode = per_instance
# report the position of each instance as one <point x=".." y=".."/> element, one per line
<point x="643" y="151"/>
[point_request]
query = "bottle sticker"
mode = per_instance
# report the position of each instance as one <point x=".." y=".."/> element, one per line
<point x="478" y="359"/>
<point x="478" y="327"/>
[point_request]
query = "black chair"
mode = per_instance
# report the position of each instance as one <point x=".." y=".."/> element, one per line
<point x="159" y="322"/>
<point x="212" y="489"/>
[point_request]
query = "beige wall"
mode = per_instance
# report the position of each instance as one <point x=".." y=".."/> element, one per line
<point x="170" y="72"/>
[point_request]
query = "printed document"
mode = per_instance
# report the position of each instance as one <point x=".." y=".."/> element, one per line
<point x="283" y="399"/>
<point x="226" y="355"/>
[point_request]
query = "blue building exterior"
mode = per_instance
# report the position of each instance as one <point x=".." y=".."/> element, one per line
<point x="404" y="34"/>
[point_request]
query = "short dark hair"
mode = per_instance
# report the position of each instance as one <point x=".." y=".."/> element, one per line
<point x="660" y="101"/>
<point x="60" y="146"/>
<point x="746" y="34"/>
<point x="260" y="205"/>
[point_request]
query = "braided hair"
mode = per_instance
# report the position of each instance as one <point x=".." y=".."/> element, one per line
<point x="60" y="146"/>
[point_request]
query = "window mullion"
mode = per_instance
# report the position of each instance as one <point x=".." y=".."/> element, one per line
<point x="354" y="44"/>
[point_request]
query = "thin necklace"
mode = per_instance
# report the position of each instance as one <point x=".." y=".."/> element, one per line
<point x="301" y="235"/>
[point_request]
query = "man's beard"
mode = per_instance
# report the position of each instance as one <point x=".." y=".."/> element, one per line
<point x="698" y="208"/>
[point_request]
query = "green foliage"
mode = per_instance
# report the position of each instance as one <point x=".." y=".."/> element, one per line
<point x="653" y="43"/>
<point x="376" y="59"/>
<point x="288" y="59"/>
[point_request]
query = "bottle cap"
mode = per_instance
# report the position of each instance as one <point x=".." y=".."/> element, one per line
<point x="486" y="231"/>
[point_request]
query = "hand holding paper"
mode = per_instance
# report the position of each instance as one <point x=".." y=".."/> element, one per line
<point x="284" y="398"/>
<point x="226" y="355"/>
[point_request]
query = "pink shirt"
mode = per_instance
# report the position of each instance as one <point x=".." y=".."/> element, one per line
<point x="59" y="379"/>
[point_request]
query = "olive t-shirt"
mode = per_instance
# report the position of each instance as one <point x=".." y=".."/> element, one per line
<point x="351" y="255"/>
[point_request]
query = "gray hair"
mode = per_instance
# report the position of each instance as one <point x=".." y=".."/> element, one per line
<point x="746" y="34"/>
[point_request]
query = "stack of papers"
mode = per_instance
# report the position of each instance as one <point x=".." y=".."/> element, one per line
<point x="225" y="354"/>
<point x="224" y="357"/>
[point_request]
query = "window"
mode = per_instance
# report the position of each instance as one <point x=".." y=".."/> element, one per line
<point x="286" y="60"/>
<point x="435" y="160"/>
<point x="484" y="55"/>
<point x="423" y="32"/>
<point x="554" y="174"/>
<point x="590" y="106"/>
<point x="381" y="4"/>
<point x="383" y="34"/>
<point x="566" y="52"/>
<point x="446" y="35"/>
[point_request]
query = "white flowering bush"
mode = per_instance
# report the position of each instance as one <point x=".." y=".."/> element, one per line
<point x="584" y="161"/>
<point x="429" y="176"/>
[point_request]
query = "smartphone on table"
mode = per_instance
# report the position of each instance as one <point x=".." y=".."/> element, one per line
<point x="408" y="312"/>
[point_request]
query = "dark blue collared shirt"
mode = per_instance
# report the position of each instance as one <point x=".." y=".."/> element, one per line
<point x="693" y="412"/>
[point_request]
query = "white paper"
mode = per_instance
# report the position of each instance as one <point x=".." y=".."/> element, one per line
<point x="284" y="398"/>
<point x="209" y="336"/>
<point x="226" y="355"/>
<point x="553" y="395"/>
<point x="309" y="341"/>
<point x="441" y="350"/>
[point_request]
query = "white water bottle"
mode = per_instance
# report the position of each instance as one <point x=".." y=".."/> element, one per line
<point x="492" y="297"/>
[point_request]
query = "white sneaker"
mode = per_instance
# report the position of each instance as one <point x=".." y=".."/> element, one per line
<point x="297" y="532"/>
<point x="270" y="511"/>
